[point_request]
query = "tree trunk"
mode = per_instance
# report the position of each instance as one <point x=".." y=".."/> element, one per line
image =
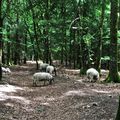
<point x="1" y="25"/>
<point x="17" y="44"/>
<point x="47" y="42"/>
<point x="113" y="68"/>
<point x="99" y="48"/>
<point x="25" y="49"/>
<point x="74" y="48"/>
<point x="8" y="46"/>
<point x="63" y="37"/>
<point x="70" y="49"/>
<point x="84" y="48"/>
<point x="84" y="57"/>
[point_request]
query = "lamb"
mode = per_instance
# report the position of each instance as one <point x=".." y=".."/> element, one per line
<point x="43" y="67"/>
<point x="42" y="76"/>
<point x="92" y="74"/>
<point x="50" y="69"/>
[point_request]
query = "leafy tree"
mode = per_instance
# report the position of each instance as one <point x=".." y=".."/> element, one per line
<point x="41" y="28"/>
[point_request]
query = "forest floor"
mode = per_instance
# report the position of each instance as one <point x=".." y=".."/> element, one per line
<point x="68" y="98"/>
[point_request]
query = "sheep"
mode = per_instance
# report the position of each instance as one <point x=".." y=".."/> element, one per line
<point x="50" y="69"/>
<point x="42" y="76"/>
<point x="43" y="67"/>
<point x="6" y="70"/>
<point x="92" y="74"/>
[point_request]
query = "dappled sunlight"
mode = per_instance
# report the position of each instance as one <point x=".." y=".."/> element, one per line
<point x="74" y="92"/>
<point x="80" y="80"/>
<point x="19" y="99"/>
<point x="47" y="99"/>
<point x="9" y="104"/>
<point x="72" y="71"/>
<point x="45" y="103"/>
<point x="9" y="88"/>
<point x="101" y="91"/>
<point x="6" y="89"/>
<point x="34" y="62"/>
<point x="44" y="98"/>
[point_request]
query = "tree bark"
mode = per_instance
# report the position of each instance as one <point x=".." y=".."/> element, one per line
<point x="113" y="67"/>
<point x="1" y="25"/>
<point x="17" y="44"/>
<point x="99" y="48"/>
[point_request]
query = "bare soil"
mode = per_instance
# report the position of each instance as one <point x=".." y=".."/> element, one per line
<point x="70" y="97"/>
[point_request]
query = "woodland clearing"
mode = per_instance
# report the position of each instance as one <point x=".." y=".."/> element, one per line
<point x="68" y="98"/>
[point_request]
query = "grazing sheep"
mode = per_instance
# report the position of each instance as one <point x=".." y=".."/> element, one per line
<point x="92" y="74"/>
<point x="50" y="69"/>
<point x="42" y="76"/>
<point x="6" y="70"/>
<point x="43" y="67"/>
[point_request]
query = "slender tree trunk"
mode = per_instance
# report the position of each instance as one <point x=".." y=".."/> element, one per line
<point x="84" y="57"/>
<point x="62" y="37"/>
<point x="74" y="48"/>
<point x="78" y="56"/>
<point x="62" y="54"/>
<point x="47" y="41"/>
<point x="84" y="48"/>
<point x="25" y="49"/>
<point x="8" y="46"/>
<point x="35" y="33"/>
<point x="8" y="33"/>
<point x="99" y="48"/>
<point x="1" y="25"/>
<point x="46" y="48"/>
<point x="70" y="49"/>
<point x="17" y="44"/>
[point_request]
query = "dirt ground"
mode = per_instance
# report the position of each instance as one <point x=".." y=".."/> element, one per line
<point x="68" y="98"/>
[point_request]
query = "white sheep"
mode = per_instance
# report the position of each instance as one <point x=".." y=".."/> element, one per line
<point x="50" y="69"/>
<point x="43" y="67"/>
<point x="6" y="70"/>
<point x="42" y="76"/>
<point x="92" y="74"/>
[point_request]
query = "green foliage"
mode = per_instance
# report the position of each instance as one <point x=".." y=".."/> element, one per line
<point x="105" y="58"/>
<point x="52" y="22"/>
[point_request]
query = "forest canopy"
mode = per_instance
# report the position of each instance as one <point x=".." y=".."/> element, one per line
<point x="76" y="32"/>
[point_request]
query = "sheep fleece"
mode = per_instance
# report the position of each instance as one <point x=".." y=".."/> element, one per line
<point x="41" y="76"/>
<point x="50" y="69"/>
<point x="91" y="73"/>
